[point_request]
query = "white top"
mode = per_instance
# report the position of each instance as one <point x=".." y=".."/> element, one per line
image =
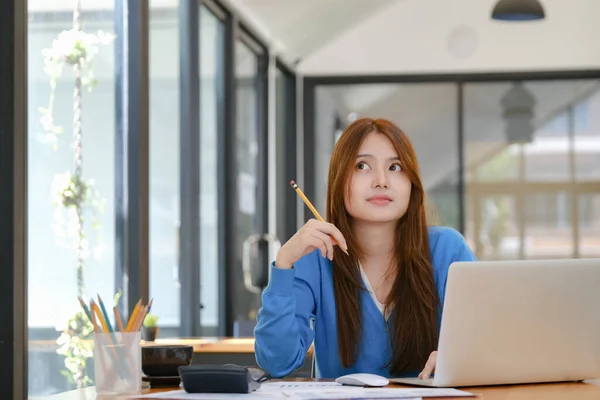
<point x="365" y="279"/>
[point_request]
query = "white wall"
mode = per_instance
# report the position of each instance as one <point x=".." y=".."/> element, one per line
<point x="411" y="36"/>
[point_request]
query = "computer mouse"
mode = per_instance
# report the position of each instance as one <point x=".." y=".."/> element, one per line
<point x="363" y="379"/>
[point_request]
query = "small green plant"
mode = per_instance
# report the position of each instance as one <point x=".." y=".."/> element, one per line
<point x="151" y="320"/>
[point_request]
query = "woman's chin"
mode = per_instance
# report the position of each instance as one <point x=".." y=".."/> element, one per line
<point x="378" y="218"/>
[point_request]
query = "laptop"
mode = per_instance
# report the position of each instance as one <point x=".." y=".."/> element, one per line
<point x="516" y="322"/>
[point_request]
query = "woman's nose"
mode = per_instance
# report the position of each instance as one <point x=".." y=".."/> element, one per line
<point x="380" y="178"/>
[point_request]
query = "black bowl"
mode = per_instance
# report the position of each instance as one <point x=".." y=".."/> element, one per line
<point x="165" y="360"/>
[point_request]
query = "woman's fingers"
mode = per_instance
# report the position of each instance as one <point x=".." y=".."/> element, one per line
<point x="429" y="366"/>
<point x="326" y="239"/>
<point x="316" y="243"/>
<point x="332" y="230"/>
<point x="313" y="235"/>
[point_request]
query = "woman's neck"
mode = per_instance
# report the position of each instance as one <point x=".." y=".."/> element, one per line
<point x="377" y="242"/>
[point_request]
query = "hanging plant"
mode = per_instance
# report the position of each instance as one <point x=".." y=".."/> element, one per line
<point x="71" y="190"/>
<point x="71" y="193"/>
<point x="73" y="48"/>
<point x="76" y="345"/>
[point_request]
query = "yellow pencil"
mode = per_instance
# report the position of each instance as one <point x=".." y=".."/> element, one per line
<point x="133" y="316"/>
<point x="313" y="209"/>
<point x="93" y="318"/>
<point x="96" y="310"/>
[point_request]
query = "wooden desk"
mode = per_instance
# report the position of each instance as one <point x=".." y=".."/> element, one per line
<point x="201" y="344"/>
<point x="214" y="345"/>
<point x="554" y="391"/>
<point x="210" y="345"/>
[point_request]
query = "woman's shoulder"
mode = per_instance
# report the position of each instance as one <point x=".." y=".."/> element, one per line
<point x="444" y="235"/>
<point x="448" y="245"/>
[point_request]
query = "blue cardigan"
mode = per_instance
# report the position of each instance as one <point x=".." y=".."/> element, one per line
<point x="299" y="299"/>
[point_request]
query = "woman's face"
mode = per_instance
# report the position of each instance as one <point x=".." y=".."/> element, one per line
<point x="379" y="189"/>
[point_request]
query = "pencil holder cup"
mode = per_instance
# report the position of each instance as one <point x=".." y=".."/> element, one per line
<point x="117" y="362"/>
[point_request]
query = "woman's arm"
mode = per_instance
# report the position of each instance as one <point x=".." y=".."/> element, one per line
<point x="283" y="332"/>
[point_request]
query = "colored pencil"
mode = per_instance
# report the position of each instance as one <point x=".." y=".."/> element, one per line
<point x="111" y="331"/>
<point x="149" y="306"/>
<point x="85" y="308"/>
<point x="114" y="355"/>
<point x="96" y="310"/>
<point x="105" y="314"/>
<point x="133" y="316"/>
<point x="95" y="323"/>
<point x="118" y="320"/>
<point x="140" y="319"/>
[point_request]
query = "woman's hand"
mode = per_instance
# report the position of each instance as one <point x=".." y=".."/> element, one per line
<point x="429" y="366"/>
<point x="313" y="235"/>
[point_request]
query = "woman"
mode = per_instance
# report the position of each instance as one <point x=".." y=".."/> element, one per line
<point x="377" y="309"/>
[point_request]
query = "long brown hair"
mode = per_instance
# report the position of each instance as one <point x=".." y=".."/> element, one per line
<point x="413" y="296"/>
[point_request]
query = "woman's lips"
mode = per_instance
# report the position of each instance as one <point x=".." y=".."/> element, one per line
<point x="380" y="200"/>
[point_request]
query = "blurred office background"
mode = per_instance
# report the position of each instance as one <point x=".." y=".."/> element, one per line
<point x="243" y="96"/>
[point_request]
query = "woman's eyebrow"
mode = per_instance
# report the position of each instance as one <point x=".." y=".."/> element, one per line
<point x="371" y="156"/>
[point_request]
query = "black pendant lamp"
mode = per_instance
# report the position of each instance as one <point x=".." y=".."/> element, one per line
<point x="518" y="10"/>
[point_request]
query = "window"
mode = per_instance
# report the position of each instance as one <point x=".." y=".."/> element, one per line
<point x="164" y="165"/>
<point x="587" y="140"/>
<point x="589" y="220"/>
<point x="246" y="79"/>
<point x="548" y="225"/>
<point x="410" y="106"/>
<point x="549" y="176"/>
<point x="211" y="87"/>
<point x="286" y="150"/>
<point x="546" y="157"/>
<point x="71" y="150"/>
<point x="588" y="211"/>
<point x="548" y="210"/>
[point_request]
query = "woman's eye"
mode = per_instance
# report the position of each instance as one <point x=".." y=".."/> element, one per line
<point x="396" y="167"/>
<point x="362" y="165"/>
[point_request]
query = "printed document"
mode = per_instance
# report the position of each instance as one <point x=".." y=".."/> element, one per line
<point x="289" y="390"/>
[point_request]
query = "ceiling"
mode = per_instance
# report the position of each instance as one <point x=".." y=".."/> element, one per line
<point x="299" y="28"/>
<point x="367" y="37"/>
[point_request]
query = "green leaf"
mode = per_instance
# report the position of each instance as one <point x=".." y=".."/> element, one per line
<point x="150" y="320"/>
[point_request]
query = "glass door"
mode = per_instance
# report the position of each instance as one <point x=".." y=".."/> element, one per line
<point x="250" y="272"/>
